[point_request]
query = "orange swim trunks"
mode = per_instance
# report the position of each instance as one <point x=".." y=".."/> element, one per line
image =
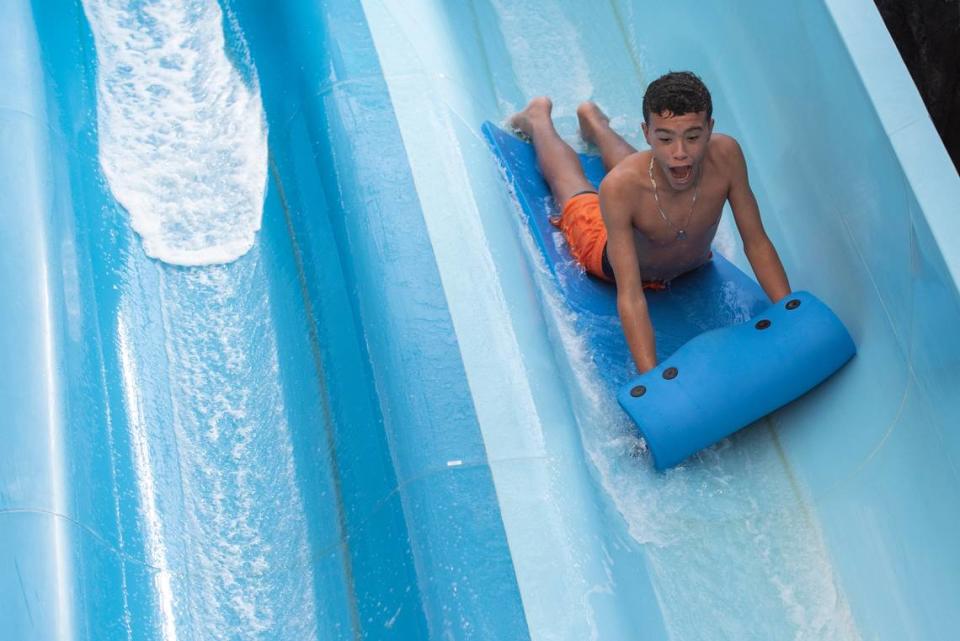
<point x="582" y="226"/>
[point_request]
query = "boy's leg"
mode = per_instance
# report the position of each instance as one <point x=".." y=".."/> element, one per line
<point x="595" y="128"/>
<point x="558" y="161"/>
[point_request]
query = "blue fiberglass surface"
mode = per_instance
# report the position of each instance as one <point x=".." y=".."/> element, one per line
<point x="834" y="517"/>
<point x="433" y="457"/>
<point x="727" y="378"/>
<point x="237" y="451"/>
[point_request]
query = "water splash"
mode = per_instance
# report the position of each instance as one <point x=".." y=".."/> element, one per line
<point x="183" y="141"/>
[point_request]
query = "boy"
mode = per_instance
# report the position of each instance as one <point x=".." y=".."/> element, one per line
<point x="658" y="210"/>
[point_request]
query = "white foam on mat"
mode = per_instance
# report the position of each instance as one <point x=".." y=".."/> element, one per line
<point x="183" y="140"/>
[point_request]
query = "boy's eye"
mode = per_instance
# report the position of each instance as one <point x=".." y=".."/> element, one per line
<point x="693" y="138"/>
<point x="664" y="140"/>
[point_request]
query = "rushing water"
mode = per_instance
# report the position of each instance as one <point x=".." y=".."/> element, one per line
<point x="183" y="142"/>
<point x="224" y="524"/>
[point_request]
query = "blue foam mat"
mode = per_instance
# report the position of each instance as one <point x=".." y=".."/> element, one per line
<point x="731" y="375"/>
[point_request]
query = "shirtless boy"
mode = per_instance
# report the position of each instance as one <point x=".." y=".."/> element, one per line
<point x="658" y="210"/>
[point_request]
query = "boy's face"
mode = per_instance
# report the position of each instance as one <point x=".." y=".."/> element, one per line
<point x="679" y="144"/>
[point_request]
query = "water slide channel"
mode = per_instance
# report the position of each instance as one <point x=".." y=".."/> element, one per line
<point x="282" y="361"/>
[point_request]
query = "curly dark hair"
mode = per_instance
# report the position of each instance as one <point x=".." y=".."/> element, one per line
<point x="677" y="92"/>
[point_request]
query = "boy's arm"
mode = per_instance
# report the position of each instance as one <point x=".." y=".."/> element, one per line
<point x="756" y="245"/>
<point x="615" y="205"/>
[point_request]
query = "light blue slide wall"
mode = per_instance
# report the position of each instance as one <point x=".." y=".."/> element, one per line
<point x="257" y="450"/>
<point x="861" y="199"/>
<point x="377" y="423"/>
<point x="850" y="493"/>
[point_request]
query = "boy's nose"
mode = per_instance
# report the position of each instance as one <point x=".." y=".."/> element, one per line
<point x="680" y="151"/>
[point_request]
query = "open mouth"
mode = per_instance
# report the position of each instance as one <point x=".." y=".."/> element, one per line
<point x="681" y="174"/>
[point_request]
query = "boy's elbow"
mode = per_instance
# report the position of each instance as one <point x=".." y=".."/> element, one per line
<point x="630" y="303"/>
<point x="758" y="246"/>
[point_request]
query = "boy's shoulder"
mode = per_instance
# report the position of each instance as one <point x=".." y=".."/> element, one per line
<point x="630" y="173"/>
<point x="725" y="155"/>
<point x="724" y="145"/>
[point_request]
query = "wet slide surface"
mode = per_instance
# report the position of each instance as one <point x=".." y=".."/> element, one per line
<point x="729" y="544"/>
<point x="228" y="420"/>
<point x="788" y="529"/>
<point x="285" y="363"/>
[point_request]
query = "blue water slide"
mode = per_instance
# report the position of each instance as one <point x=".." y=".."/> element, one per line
<point x="381" y="422"/>
<point x="282" y="447"/>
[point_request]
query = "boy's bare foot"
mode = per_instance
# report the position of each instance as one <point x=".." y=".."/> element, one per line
<point x="537" y="109"/>
<point x="591" y="120"/>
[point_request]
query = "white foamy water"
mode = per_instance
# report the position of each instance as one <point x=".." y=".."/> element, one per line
<point x="183" y="140"/>
<point x="225" y="525"/>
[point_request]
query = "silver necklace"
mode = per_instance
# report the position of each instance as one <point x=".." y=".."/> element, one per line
<point x="682" y="231"/>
